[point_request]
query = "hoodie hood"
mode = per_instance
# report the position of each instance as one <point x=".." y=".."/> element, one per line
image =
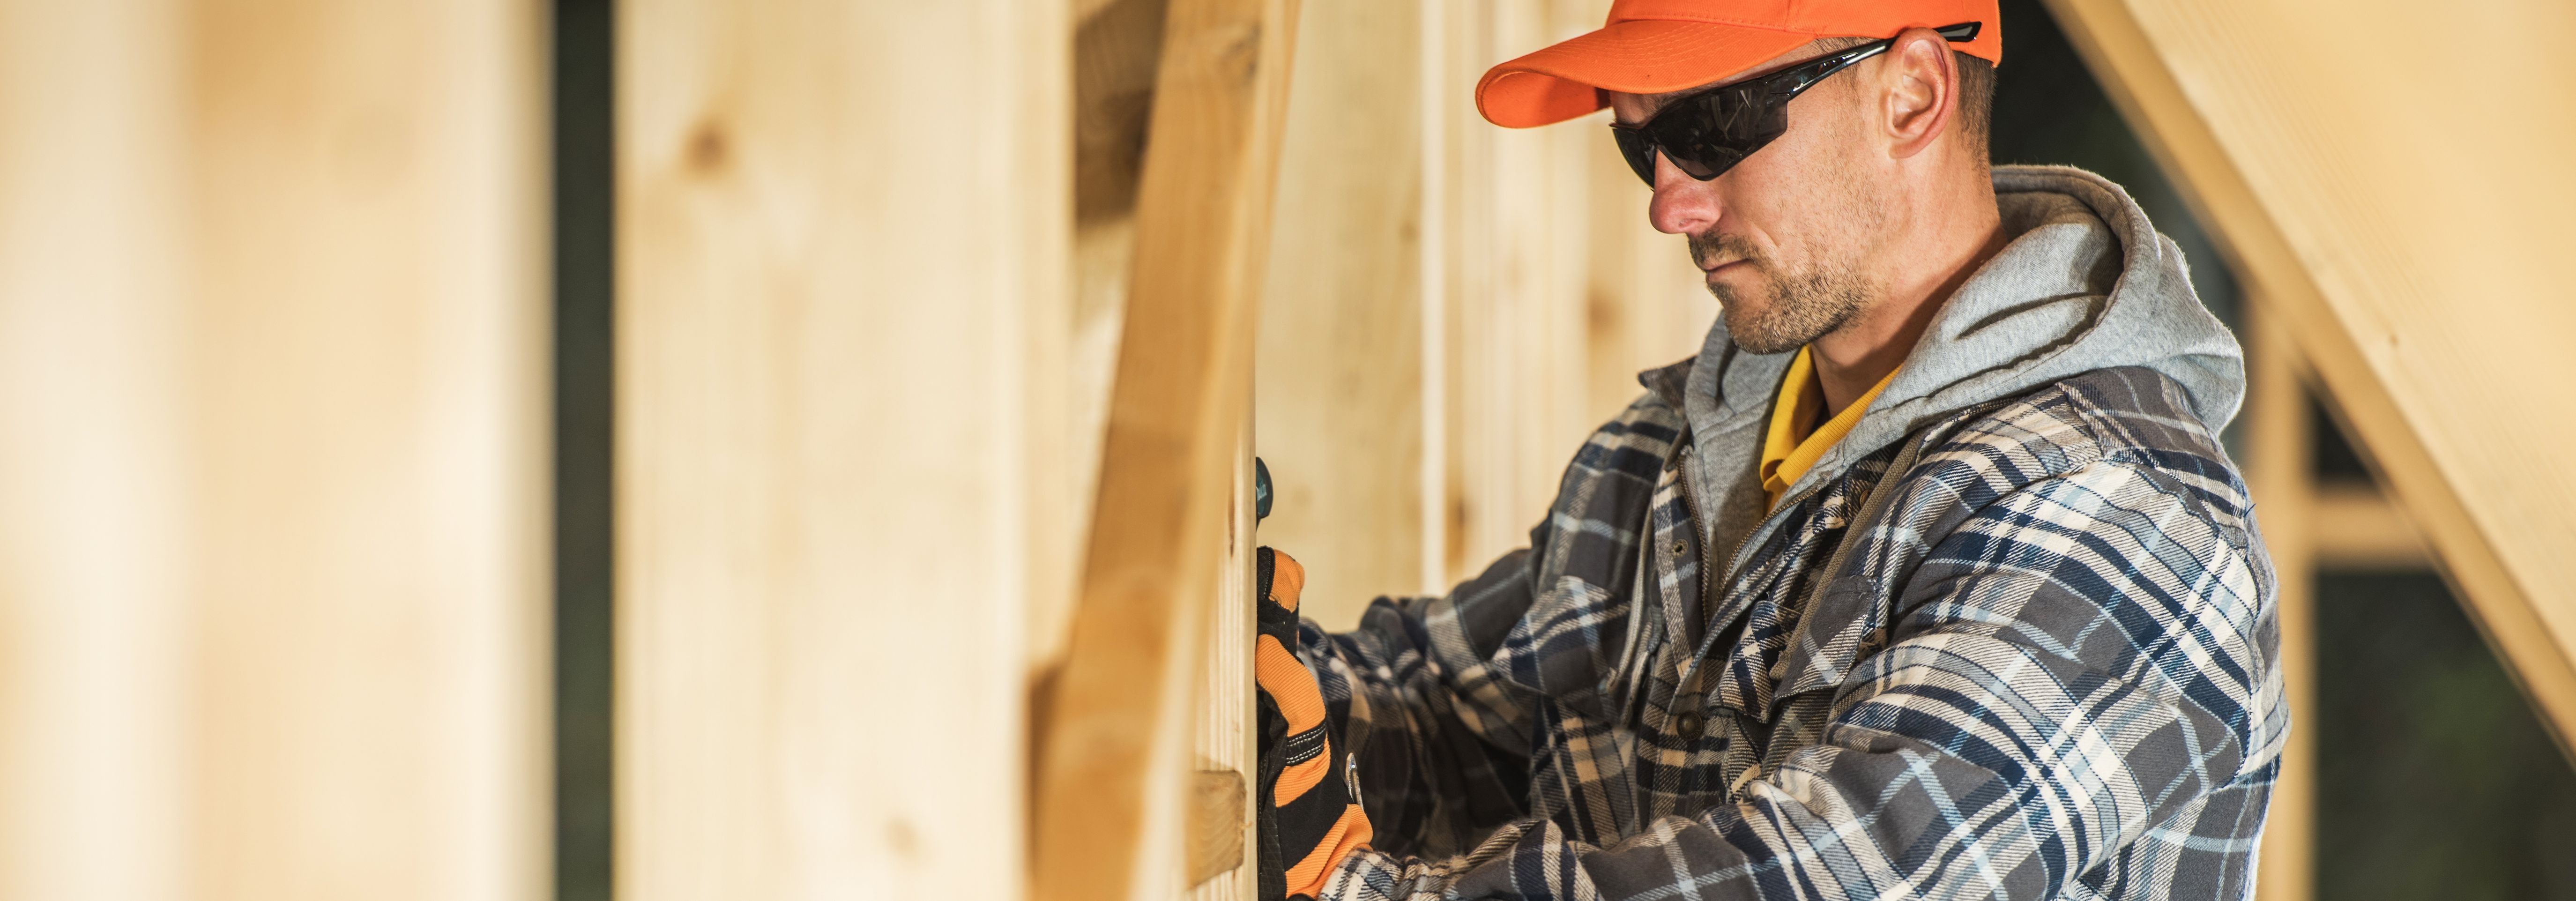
<point x="2084" y="284"/>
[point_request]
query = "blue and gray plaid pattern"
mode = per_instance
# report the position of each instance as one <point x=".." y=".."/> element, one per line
<point x="2042" y="669"/>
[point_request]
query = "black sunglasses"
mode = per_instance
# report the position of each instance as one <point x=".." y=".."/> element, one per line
<point x="1707" y="133"/>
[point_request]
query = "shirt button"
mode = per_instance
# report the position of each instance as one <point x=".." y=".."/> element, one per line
<point x="1690" y="724"/>
<point x="1680" y="548"/>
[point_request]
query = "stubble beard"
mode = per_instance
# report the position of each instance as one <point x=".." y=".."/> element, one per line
<point x="1803" y="306"/>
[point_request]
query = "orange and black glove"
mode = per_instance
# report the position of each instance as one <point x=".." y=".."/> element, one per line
<point x="1310" y="796"/>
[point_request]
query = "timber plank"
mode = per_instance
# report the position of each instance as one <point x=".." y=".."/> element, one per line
<point x="272" y="556"/>
<point x="1114" y="761"/>
<point x="842" y="267"/>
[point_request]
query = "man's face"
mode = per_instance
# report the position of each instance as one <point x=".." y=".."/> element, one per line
<point x="1789" y="236"/>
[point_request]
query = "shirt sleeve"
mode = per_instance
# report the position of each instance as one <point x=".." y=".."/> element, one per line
<point x="2087" y="659"/>
<point x="1442" y="743"/>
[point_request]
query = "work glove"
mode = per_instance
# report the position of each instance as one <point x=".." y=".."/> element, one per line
<point x="1310" y="814"/>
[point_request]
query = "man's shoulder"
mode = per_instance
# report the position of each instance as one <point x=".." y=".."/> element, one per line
<point x="2132" y="417"/>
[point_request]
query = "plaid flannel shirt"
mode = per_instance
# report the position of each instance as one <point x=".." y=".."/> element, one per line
<point x="2043" y="668"/>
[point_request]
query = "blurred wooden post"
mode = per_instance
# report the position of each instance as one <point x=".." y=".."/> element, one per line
<point x="272" y="569"/>
<point x="843" y="233"/>
<point x="1114" y="763"/>
<point x="94" y="600"/>
<point x="2281" y="468"/>
<point x="368" y="368"/>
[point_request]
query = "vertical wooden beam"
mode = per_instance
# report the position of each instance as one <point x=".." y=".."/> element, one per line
<point x="271" y="286"/>
<point x="1339" y="371"/>
<point x="367" y="347"/>
<point x="1220" y="855"/>
<point x="2281" y="469"/>
<point x="842" y="263"/>
<point x="1513" y="218"/>
<point x="1389" y="273"/>
<point x="93" y="538"/>
<point x="1441" y="45"/>
<point x="1114" y="764"/>
<point x="1360" y="410"/>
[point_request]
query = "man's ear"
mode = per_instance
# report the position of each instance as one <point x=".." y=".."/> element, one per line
<point x="1919" y="92"/>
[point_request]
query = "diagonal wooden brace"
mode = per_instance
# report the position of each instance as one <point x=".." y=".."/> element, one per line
<point x="1113" y="768"/>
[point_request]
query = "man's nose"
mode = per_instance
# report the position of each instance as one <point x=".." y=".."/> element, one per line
<point x="1683" y="205"/>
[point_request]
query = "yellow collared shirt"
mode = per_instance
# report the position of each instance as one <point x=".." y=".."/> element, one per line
<point x="1791" y="446"/>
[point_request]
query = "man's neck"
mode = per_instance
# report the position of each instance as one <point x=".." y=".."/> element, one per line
<point x="1856" y="357"/>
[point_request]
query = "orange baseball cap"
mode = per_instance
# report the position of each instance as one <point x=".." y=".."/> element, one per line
<point x="1656" y="46"/>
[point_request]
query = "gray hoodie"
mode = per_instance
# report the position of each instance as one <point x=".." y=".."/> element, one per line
<point x="2086" y="284"/>
<point x="2012" y="638"/>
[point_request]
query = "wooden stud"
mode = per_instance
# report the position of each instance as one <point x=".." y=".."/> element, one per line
<point x="842" y="488"/>
<point x="2280" y="471"/>
<point x="1338" y="371"/>
<point x="272" y="568"/>
<point x="1513" y="216"/>
<point x="2356" y="527"/>
<point x="1220" y="861"/>
<point x="94" y="537"/>
<point x="1118" y="45"/>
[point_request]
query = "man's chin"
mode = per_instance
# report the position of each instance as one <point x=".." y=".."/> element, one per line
<point x="1753" y="335"/>
<point x="1767" y="349"/>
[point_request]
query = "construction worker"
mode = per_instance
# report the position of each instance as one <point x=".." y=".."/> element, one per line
<point x="1927" y="578"/>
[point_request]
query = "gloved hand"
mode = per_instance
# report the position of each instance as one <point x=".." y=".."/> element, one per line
<point x="1310" y="814"/>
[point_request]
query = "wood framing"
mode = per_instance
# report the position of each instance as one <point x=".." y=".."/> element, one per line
<point x="272" y="560"/>
<point x="93" y="540"/>
<point x="2406" y="231"/>
<point x="1339" y="373"/>
<point x="2356" y="528"/>
<point x="842" y="489"/>
<point x="1512" y="212"/>
<point x="2280" y="471"/>
<point x="1219" y="857"/>
<point x="1114" y="761"/>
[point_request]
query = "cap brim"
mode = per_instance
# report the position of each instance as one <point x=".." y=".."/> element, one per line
<point x="1563" y="80"/>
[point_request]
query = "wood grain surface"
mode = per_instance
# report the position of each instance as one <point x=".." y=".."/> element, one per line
<point x="842" y="487"/>
<point x="1113" y="764"/>
<point x="273" y="592"/>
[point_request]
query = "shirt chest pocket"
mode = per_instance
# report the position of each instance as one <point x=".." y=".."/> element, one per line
<point x="1814" y="651"/>
<point x="1842" y="625"/>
